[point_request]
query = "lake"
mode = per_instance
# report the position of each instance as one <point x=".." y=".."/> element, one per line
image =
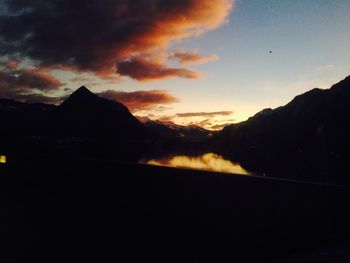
<point x="207" y="161"/>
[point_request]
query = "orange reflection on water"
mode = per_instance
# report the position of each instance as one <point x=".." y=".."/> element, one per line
<point x="208" y="161"/>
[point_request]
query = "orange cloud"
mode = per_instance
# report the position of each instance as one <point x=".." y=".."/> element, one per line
<point x="190" y="57"/>
<point x="140" y="100"/>
<point x="204" y="114"/>
<point x="94" y="35"/>
<point x="11" y="64"/>
<point x="143" y="70"/>
<point x="207" y="120"/>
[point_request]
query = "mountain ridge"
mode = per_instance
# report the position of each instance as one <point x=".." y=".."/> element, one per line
<point x="169" y="129"/>
<point x="306" y="136"/>
<point x="87" y="113"/>
<point x="82" y="114"/>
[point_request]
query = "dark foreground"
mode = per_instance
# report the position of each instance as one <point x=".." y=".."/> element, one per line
<point x="89" y="211"/>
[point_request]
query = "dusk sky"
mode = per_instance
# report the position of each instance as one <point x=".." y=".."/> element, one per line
<point x="205" y="62"/>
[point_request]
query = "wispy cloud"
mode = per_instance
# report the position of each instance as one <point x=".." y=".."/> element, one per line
<point x="204" y="114"/>
<point x="191" y="57"/>
<point x="208" y="120"/>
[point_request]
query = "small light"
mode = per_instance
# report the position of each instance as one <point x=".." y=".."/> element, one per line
<point x="2" y="159"/>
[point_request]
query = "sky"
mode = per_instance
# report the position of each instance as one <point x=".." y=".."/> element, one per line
<point x="202" y="62"/>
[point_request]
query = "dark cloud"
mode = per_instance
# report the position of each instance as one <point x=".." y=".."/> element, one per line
<point x="36" y="98"/>
<point x="94" y="35"/>
<point x="204" y="114"/>
<point x="143" y="70"/>
<point x="27" y="80"/>
<point x="140" y="100"/>
<point x="27" y="85"/>
<point x="191" y="57"/>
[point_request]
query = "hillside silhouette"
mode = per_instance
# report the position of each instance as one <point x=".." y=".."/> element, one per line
<point x="83" y="126"/>
<point x="85" y="114"/>
<point x="86" y="125"/>
<point x="307" y="138"/>
<point x="168" y="130"/>
<point x="81" y="114"/>
<point x="72" y="190"/>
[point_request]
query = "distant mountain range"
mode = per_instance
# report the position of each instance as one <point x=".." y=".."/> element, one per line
<point x="308" y="138"/>
<point x="84" y="114"/>
<point x="83" y="126"/>
<point x="87" y="125"/>
<point x="168" y="130"/>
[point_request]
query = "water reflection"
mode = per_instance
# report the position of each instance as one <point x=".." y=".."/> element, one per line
<point x="208" y="161"/>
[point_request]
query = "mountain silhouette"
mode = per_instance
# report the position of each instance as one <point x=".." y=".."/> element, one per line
<point x="85" y="114"/>
<point x="82" y="114"/>
<point x="81" y="96"/>
<point x="307" y="138"/>
<point x="171" y="130"/>
<point x="83" y="126"/>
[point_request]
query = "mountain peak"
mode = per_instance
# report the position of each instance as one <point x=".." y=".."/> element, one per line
<point x="81" y="96"/>
<point x="83" y="91"/>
